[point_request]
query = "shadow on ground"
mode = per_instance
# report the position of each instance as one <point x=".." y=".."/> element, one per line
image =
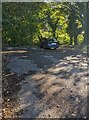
<point x="58" y="90"/>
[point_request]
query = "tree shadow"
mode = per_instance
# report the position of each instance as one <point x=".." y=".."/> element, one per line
<point x="46" y="90"/>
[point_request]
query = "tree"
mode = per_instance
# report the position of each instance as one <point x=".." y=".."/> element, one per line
<point x="19" y="22"/>
<point x="53" y="20"/>
<point x="28" y="23"/>
<point x="75" y="25"/>
<point x="83" y="8"/>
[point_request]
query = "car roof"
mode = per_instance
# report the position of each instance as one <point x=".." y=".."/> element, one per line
<point x="53" y="39"/>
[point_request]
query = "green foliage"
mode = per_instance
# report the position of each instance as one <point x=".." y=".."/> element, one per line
<point x="24" y="22"/>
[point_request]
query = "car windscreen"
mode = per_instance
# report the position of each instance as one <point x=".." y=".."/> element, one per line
<point x="52" y="40"/>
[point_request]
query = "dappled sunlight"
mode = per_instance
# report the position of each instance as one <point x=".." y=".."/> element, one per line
<point x="71" y="65"/>
<point x="13" y="51"/>
<point x="38" y="82"/>
<point x="53" y="92"/>
<point x="61" y="94"/>
<point x="49" y="113"/>
<point x="44" y="83"/>
<point x="37" y="76"/>
<point x="71" y="68"/>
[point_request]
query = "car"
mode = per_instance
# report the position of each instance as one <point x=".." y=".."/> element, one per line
<point x="51" y="43"/>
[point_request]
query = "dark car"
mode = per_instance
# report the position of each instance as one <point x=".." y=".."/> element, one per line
<point x="49" y="43"/>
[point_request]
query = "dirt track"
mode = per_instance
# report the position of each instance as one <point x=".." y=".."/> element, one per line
<point x="55" y="88"/>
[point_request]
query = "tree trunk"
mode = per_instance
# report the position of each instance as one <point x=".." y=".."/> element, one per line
<point x="75" y="40"/>
<point x="71" y="39"/>
<point x="53" y="34"/>
<point x="85" y="24"/>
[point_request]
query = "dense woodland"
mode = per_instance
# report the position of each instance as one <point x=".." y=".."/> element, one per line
<point x="27" y="23"/>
